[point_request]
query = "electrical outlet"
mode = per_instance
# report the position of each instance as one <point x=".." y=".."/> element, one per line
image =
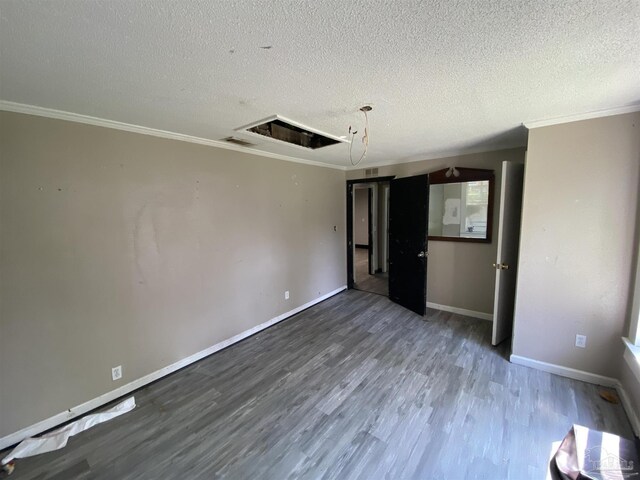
<point x="116" y="373"/>
<point x="286" y="295"/>
<point x="581" y="341"/>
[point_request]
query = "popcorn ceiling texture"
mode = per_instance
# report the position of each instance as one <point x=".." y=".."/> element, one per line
<point x="442" y="76"/>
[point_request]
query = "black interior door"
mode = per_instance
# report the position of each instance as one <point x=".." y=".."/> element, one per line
<point x="370" y="238"/>
<point x="408" y="220"/>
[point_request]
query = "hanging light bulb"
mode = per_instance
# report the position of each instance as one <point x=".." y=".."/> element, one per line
<point x="365" y="137"/>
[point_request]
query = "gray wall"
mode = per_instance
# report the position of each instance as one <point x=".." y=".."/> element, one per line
<point x="361" y="216"/>
<point x="459" y="275"/>
<point x="125" y="249"/>
<point x="577" y="242"/>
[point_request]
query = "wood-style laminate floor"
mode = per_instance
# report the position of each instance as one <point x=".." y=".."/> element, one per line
<point x="378" y="283"/>
<point x="353" y="388"/>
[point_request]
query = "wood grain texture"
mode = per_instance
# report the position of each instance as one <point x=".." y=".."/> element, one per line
<point x="355" y="387"/>
<point x="378" y="283"/>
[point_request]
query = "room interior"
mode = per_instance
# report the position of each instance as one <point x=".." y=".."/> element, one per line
<point x="150" y="222"/>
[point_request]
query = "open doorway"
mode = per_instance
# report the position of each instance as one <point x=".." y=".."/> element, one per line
<point x="367" y="234"/>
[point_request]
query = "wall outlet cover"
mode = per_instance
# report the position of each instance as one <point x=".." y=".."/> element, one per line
<point x="286" y="295"/>
<point x="581" y="341"/>
<point x="116" y="373"/>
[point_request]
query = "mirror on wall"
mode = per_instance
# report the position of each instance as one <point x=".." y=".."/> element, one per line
<point x="461" y="205"/>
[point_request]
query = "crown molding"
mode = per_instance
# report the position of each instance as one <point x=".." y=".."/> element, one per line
<point x="127" y="127"/>
<point x="582" y="116"/>
<point x="440" y="156"/>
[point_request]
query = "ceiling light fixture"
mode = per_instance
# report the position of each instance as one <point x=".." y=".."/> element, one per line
<point x="452" y="171"/>
<point x="365" y="137"/>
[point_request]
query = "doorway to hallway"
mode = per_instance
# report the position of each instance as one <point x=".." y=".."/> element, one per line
<point x="403" y="236"/>
<point x="376" y="283"/>
<point x="367" y="234"/>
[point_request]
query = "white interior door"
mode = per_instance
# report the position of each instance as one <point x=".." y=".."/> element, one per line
<point x="508" y="241"/>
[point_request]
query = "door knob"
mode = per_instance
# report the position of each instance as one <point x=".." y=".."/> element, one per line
<point x="423" y="254"/>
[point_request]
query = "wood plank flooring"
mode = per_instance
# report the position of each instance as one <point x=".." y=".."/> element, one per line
<point x="378" y="283"/>
<point x="353" y="388"/>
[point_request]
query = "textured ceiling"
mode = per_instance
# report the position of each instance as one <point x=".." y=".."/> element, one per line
<point x="443" y="77"/>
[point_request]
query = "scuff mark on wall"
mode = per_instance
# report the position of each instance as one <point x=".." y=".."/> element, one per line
<point x="165" y="225"/>
<point x="145" y="234"/>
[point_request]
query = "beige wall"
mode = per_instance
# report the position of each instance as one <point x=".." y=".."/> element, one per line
<point x="577" y="242"/>
<point x="459" y="275"/>
<point x="125" y="249"/>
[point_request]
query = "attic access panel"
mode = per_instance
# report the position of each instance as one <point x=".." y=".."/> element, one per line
<point x="283" y="130"/>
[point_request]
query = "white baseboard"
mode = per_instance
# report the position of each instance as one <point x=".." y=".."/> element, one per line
<point x="627" y="404"/>
<point x="565" y="371"/>
<point x="83" y="408"/>
<point x="461" y="311"/>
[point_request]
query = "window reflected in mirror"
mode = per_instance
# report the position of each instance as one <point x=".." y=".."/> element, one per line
<point x="460" y="204"/>
<point x="459" y="209"/>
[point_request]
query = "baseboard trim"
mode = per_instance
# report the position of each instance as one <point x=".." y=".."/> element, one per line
<point x="565" y="371"/>
<point x="581" y="375"/>
<point x="97" y="402"/>
<point x="461" y="311"/>
<point x="362" y="245"/>
<point x="628" y="408"/>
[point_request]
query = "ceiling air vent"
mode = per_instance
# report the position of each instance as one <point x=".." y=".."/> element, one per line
<point x="371" y="172"/>
<point x="283" y="130"/>
<point x="238" y="141"/>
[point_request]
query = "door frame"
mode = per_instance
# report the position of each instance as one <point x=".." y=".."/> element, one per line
<point x="350" y="244"/>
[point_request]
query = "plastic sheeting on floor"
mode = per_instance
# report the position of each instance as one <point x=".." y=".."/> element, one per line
<point x="58" y="438"/>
